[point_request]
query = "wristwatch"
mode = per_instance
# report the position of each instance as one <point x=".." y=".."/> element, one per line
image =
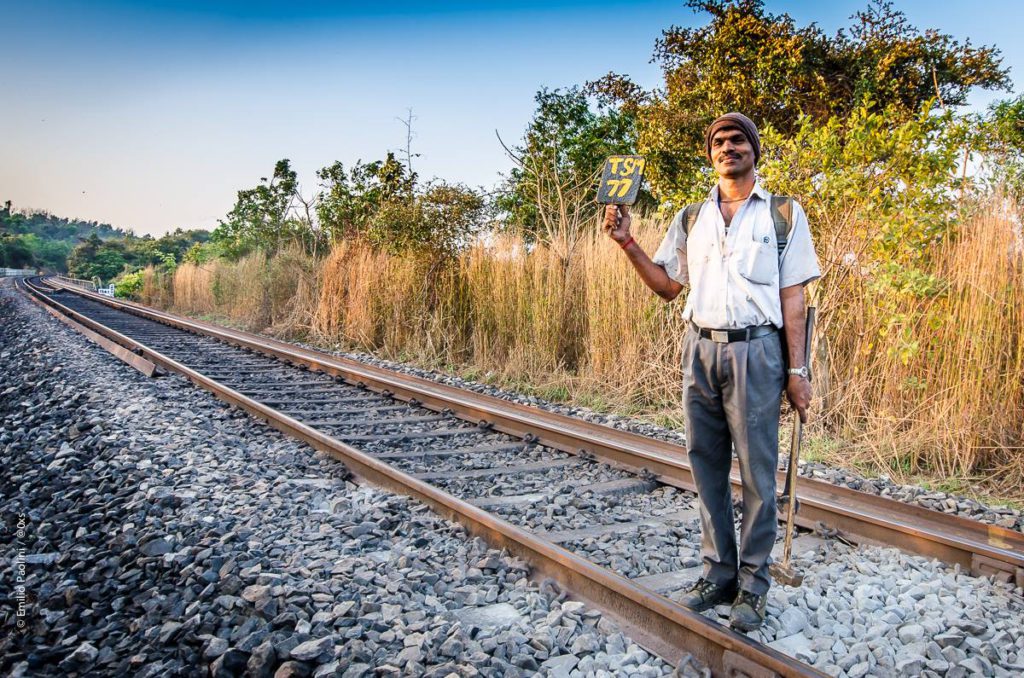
<point x="799" y="371"/>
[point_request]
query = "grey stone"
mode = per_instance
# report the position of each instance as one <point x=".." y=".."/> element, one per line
<point x="262" y="661"/>
<point x="584" y="643"/>
<point x="356" y="671"/>
<point x="168" y="631"/>
<point x="490" y="617"/>
<point x="560" y="666"/>
<point x="910" y="633"/>
<point x="975" y="666"/>
<point x="231" y="663"/>
<point x="215" y="648"/>
<point x="452" y="647"/>
<point x="85" y="653"/>
<point x="255" y="593"/>
<point x="311" y="649"/>
<point x="526" y="662"/>
<point x="156" y="547"/>
<point x="859" y="670"/>
<point x="792" y="620"/>
<point x="326" y="670"/>
<point x="910" y="666"/>
<point x="949" y="638"/>
<point x="792" y="644"/>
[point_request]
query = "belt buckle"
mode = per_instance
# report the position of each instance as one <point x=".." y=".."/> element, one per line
<point x="720" y="336"/>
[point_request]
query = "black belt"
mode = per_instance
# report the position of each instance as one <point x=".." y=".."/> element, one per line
<point x="729" y="336"/>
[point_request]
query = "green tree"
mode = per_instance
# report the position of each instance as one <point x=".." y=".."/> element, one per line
<point x="1005" y="137"/>
<point x="349" y="200"/>
<point x="128" y="286"/>
<point x="49" y="254"/>
<point x="435" y="221"/>
<point x="15" y="252"/>
<point x="559" y="159"/>
<point x="91" y="260"/>
<point x="766" y="66"/>
<point x="899" y="177"/>
<point x="263" y="216"/>
<point x="51" y="240"/>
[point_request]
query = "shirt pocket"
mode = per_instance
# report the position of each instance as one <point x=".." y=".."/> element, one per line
<point x="758" y="261"/>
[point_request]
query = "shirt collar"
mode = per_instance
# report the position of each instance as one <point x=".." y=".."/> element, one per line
<point x="758" y="190"/>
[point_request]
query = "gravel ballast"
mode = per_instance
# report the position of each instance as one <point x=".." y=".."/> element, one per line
<point x="155" y="531"/>
<point x="178" y="521"/>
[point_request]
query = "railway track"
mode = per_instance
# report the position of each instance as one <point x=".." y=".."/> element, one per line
<point x="500" y="469"/>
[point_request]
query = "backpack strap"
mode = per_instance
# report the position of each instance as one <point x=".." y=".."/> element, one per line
<point x="690" y="214"/>
<point x="782" y="216"/>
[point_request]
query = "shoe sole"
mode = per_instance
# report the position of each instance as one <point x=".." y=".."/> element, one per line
<point x="746" y="628"/>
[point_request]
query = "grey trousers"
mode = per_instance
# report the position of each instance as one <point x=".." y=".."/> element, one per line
<point x="731" y="397"/>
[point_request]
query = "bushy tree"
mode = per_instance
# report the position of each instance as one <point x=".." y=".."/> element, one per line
<point x="763" y="64"/>
<point x="48" y="239"/>
<point x="350" y="199"/>
<point x="263" y="216"/>
<point x="15" y="252"/>
<point x="95" y="258"/>
<point x="434" y="221"/>
<point x="1005" y="144"/>
<point x="383" y="204"/>
<point x="129" y="285"/>
<point x="51" y="240"/>
<point x="559" y="160"/>
<point x="898" y="177"/>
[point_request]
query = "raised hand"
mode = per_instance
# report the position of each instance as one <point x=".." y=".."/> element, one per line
<point x="617" y="222"/>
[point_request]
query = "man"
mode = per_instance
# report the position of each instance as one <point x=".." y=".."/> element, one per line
<point x="742" y="293"/>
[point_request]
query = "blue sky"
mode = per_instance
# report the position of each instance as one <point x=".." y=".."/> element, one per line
<point x="150" y="115"/>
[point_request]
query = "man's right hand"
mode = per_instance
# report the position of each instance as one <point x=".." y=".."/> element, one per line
<point x="617" y="222"/>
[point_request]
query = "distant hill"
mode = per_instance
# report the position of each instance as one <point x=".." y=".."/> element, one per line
<point x="86" y="249"/>
<point x="41" y="239"/>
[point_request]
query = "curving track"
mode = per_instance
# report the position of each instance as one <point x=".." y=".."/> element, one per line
<point x="462" y="453"/>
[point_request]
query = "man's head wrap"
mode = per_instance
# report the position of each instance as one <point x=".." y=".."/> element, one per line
<point x="737" y="121"/>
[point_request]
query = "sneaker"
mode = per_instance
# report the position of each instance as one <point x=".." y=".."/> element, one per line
<point x="704" y="595"/>
<point x="748" y="611"/>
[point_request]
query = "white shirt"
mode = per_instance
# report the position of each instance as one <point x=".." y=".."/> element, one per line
<point x="735" y="279"/>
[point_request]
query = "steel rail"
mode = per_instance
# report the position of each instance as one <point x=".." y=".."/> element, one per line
<point x="655" y="622"/>
<point x="86" y="328"/>
<point x="856" y="516"/>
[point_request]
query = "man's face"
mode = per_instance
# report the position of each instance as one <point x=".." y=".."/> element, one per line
<point x="731" y="153"/>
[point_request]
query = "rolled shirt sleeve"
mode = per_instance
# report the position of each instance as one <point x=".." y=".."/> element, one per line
<point x="799" y="264"/>
<point x="671" y="253"/>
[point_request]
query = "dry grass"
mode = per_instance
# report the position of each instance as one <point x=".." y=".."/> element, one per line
<point x="910" y="384"/>
<point x="268" y="295"/>
<point x="193" y="289"/>
<point x="934" y="384"/>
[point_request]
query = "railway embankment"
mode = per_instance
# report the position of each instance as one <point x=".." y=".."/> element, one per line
<point x="861" y="611"/>
<point x="152" y="530"/>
